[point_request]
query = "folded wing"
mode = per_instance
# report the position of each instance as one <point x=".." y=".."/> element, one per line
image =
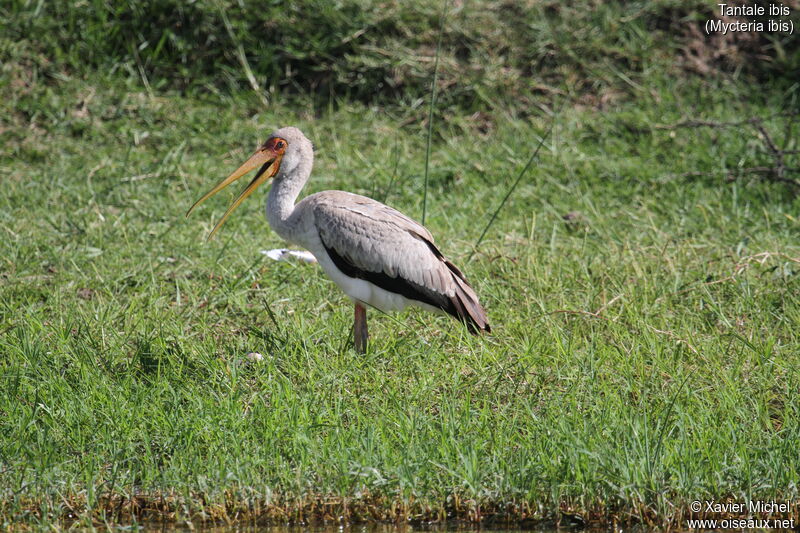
<point x="371" y="241"/>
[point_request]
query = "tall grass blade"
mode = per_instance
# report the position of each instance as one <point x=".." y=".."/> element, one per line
<point x="240" y="54"/>
<point x="662" y="430"/>
<point x="394" y="172"/>
<point x="511" y="189"/>
<point x="430" y="111"/>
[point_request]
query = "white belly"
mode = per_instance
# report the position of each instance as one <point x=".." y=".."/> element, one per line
<point x="363" y="291"/>
<point x="367" y="293"/>
<point x="359" y="290"/>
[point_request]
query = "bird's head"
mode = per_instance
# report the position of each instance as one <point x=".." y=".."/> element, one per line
<point x="280" y="155"/>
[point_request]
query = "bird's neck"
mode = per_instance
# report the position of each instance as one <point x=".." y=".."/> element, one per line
<point x="283" y="194"/>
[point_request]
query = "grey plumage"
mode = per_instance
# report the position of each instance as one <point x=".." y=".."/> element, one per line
<point x="374" y="238"/>
<point x="378" y="256"/>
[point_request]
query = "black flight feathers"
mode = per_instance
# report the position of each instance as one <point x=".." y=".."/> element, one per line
<point x="463" y="305"/>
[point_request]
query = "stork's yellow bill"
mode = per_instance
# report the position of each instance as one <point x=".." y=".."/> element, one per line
<point x="378" y="256"/>
<point x="268" y="157"/>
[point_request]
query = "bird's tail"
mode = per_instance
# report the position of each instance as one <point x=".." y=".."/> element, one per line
<point x="466" y="305"/>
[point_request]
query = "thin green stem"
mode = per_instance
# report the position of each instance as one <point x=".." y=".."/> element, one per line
<point x="511" y="190"/>
<point x="430" y="112"/>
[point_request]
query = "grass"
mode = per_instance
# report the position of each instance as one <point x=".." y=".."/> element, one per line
<point x="490" y="51"/>
<point x="644" y="347"/>
<point x="643" y="356"/>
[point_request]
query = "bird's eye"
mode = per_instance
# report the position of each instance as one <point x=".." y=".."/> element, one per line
<point x="280" y="145"/>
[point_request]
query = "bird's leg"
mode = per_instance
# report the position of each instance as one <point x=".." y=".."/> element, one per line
<point x="360" y="334"/>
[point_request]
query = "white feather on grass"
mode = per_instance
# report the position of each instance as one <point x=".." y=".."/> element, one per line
<point x="284" y="254"/>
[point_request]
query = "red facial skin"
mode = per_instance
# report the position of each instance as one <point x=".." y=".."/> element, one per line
<point x="276" y="145"/>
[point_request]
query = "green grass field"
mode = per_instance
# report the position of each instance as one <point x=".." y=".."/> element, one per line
<point x="644" y="350"/>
